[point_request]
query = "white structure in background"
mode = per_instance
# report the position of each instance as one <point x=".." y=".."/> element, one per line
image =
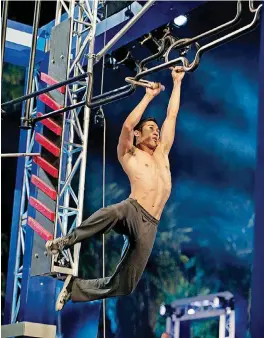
<point x="215" y="305"/>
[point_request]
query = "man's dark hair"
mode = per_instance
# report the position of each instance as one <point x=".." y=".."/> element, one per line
<point x="141" y="123"/>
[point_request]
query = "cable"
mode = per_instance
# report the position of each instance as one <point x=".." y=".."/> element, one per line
<point x="104" y="148"/>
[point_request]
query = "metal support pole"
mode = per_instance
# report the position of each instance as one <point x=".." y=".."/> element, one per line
<point x="25" y="120"/>
<point x="168" y="325"/>
<point x="86" y="122"/>
<point x="20" y="154"/>
<point x="124" y="29"/>
<point x="176" y="330"/>
<point x="232" y="324"/>
<point x="3" y="32"/>
<point x="222" y="324"/>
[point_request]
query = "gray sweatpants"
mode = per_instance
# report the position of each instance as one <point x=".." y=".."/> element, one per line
<point x="128" y="218"/>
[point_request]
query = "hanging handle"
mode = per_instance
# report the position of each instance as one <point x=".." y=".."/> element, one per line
<point x="144" y="83"/>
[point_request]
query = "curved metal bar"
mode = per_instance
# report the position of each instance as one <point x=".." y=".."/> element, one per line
<point x="175" y="45"/>
<point x="226" y="38"/>
<point x="155" y="56"/>
<point x="251" y="6"/>
<point x="183" y="60"/>
<point x="189" y="41"/>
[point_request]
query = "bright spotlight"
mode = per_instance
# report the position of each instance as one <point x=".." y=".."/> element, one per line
<point x="162" y="309"/>
<point x="216" y="302"/>
<point x="191" y="311"/>
<point x="181" y="20"/>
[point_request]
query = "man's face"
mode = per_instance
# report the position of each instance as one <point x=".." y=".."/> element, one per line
<point x="149" y="135"/>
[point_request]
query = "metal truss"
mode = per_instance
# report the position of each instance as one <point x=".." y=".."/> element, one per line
<point x="23" y="213"/>
<point x="83" y="31"/>
<point x="69" y="207"/>
<point x="219" y="305"/>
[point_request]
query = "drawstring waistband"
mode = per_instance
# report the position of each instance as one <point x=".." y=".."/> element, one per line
<point x="150" y="218"/>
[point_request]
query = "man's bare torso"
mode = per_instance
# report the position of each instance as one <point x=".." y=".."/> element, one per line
<point x="150" y="178"/>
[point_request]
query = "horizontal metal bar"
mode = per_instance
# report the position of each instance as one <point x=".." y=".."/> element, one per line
<point x="115" y="91"/>
<point x="160" y="67"/>
<point x="57" y="112"/>
<point x="82" y="22"/>
<point x="45" y="90"/>
<point x="112" y="98"/>
<point x="67" y="208"/>
<point x="20" y="154"/>
<point x="74" y="144"/>
<point x="96" y="101"/>
<point x="124" y="30"/>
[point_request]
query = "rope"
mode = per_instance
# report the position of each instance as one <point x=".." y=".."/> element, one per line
<point x="104" y="148"/>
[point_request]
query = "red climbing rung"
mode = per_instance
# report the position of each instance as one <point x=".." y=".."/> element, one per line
<point x="51" y="125"/>
<point x="49" y="80"/>
<point x="47" y="144"/>
<point x="42" y="232"/>
<point x="46" y="166"/>
<point x="45" y="98"/>
<point x="42" y="208"/>
<point x="44" y="187"/>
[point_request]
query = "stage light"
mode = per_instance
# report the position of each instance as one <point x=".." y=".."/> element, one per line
<point x="216" y="302"/>
<point x="165" y="310"/>
<point x="191" y="311"/>
<point x="180" y="20"/>
<point x="162" y="309"/>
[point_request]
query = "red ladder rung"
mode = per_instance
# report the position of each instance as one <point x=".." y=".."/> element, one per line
<point x="44" y="187"/>
<point x="39" y="229"/>
<point x="47" y="144"/>
<point x="42" y="208"/>
<point x="50" y="81"/>
<point x="45" y="98"/>
<point x="46" y="166"/>
<point x="51" y="125"/>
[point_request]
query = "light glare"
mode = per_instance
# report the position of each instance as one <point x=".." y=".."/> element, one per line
<point x="162" y="310"/>
<point x="180" y="20"/>
<point x="191" y="312"/>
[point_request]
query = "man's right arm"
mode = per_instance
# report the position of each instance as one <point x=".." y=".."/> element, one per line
<point x="126" y="137"/>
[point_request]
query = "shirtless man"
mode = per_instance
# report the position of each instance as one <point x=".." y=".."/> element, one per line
<point x="147" y="166"/>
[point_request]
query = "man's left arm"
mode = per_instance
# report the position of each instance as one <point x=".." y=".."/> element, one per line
<point x="169" y="125"/>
